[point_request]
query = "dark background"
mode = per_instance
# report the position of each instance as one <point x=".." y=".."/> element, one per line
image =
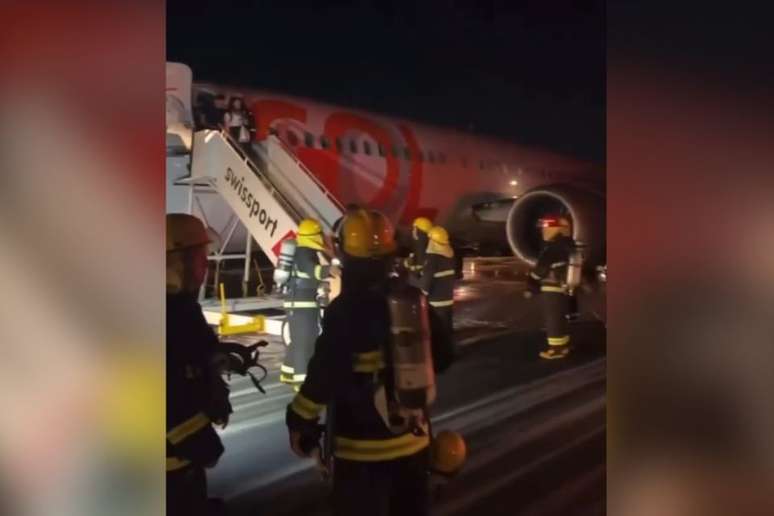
<point x="529" y="72"/>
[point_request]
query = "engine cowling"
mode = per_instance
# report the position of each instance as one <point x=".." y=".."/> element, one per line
<point x="585" y="208"/>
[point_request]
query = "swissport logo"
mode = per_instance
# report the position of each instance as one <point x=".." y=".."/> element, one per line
<point x="252" y="202"/>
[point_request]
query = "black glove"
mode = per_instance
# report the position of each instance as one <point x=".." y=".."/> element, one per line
<point x="219" y="407"/>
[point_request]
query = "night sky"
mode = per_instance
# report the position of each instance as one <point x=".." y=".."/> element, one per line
<point x="522" y="71"/>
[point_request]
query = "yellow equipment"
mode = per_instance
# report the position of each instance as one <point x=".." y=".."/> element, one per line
<point x="185" y="231"/>
<point x="366" y="234"/>
<point x="439" y="235"/>
<point x="423" y="224"/>
<point x="447" y="453"/>
<point x="257" y="325"/>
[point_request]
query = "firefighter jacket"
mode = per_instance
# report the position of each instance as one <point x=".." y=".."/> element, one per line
<point x="196" y="394"/>
<point x="305" y="278"/>
<point x="550" y="272"/>
<point x="416" y="259"/>
<point x="347" y="367"/>
<point x="438" y="275"/>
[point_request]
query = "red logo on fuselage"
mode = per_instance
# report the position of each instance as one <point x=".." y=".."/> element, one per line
<point x="398" y="195"/>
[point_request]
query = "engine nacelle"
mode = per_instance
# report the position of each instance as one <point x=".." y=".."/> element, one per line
<point x="585" y="208"/>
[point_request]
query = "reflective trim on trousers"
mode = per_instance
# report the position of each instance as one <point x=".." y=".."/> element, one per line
<point x="380" y="450"/>
<point x="300" y="304"/>
<point x="286" y="369"/>
<point x="439" y="304"/>
<point x="559" y="341"/>
<point x="187" y="428"/>
<point x="534" y="275"/>
<point x="552" y="288"/>
<point x="556" y="265"/>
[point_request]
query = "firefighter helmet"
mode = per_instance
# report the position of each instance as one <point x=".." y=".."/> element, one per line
<point x="448" y="453"/>
<point x="439" y="235"/>
<point x="309" y="227"/>
<point x="423" y="224"/>
<point x="185" y="231"/>
<point x="553" y="225"/>
<point x="366" y="234"/>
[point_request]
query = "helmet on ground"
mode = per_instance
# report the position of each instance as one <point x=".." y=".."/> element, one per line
<point x="423" y="224"/>
<point x="309" y="227"/>
<point x="448" y="453"/>
<point x="185" y="231"/>
<point x="439" y="235"/>
<point x="366" y="234"/>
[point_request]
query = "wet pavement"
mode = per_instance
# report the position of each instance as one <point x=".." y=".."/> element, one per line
<point x="535" y="429"/>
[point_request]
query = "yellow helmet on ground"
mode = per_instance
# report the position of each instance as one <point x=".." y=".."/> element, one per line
<point x="309" y="227"/>
<point x="439" y="235"/>
<point x="448" y="453"/>
<point x="185" y="231"/>
<point x="423" y="224"/>
<point x="366" y="234"/>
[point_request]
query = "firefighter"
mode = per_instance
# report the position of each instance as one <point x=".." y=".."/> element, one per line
<point x="377" y="469"/>
<point x="301" y="304"/>
<point x="197" y="396"/>
<point x="548" y="279"/>
<point x="419" y="239"/>
<point x="438" y="275"/>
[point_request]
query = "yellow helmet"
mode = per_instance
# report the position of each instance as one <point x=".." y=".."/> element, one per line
<point x="366" y="234"/>
<point x="309" y="227"/>
<point x="423" y="224"/>
<point x="448" y="453"/>
<point x="185" y="231"/>
<point x="553" y="225"/>
<point x="439" y="235"/>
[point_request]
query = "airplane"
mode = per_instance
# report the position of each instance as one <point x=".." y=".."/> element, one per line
<point x="488" y="193"/>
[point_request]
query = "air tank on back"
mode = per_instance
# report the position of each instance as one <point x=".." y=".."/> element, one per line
<point x="411" y="349"/>
<point x="284" y="263"/>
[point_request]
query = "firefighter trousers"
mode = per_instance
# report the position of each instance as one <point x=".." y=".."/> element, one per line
<point x="187" y="492"/>
<point x="556" y="306"/>
<point x="445" y="314"/>
<point x="304" y="328"/>
<point x="397" y="487"/>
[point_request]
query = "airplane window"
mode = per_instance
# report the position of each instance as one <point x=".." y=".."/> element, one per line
<point x="431" y="156"/>
<point x="353" y="146"/>
<point x="339" y="145"/>
<point x="292" y="138"/>
<point x="309" y="140"/>
<point x="324" y="142"/>
<point x="406" y="153"/>
<point x="381" y="149"/>
<point x="367" y="148"/>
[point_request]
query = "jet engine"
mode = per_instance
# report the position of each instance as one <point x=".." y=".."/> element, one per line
<point x="585" y="208"/>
